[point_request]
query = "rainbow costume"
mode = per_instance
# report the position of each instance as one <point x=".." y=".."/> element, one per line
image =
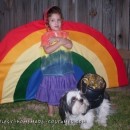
<point x="57" y="70"/>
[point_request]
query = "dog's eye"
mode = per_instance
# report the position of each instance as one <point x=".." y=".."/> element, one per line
<point x="82" y="95"/>
<point x="73" y="99"/>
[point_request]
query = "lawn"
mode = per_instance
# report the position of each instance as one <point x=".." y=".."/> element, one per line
<point x="32" y="115"/>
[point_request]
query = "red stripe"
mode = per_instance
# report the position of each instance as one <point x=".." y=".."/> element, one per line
<point x="16" y="35"/>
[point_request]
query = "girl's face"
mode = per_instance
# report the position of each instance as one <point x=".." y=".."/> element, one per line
<point x="55" y="22"/>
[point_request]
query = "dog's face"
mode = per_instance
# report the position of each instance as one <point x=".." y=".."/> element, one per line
<point x="73" y="103"/>
<point x="77" y="102"/>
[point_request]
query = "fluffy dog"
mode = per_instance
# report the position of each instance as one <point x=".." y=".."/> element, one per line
<point x="75" y="108"/>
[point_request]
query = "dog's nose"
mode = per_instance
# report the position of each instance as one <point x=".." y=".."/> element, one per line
<point x="81" y="100"/>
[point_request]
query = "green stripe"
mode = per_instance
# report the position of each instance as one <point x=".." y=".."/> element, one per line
<point x="20" y="91"/>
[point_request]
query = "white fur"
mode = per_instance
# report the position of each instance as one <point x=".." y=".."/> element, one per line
<point x="102" y="112"/>
<point x="86" y="121"/>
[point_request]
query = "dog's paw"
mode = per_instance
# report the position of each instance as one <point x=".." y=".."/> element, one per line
<point x="102" y="123"/>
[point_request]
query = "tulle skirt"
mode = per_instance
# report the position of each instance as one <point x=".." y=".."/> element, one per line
<point x="53" y="87"/>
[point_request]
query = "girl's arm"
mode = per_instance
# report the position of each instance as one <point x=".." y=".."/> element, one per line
<point x="49" y="48"/>
<point x="57" y="43"/>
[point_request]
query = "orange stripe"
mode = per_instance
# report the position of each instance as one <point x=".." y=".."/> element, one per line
<point x="92" y="44"/>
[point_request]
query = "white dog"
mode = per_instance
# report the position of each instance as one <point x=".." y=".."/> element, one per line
<point x="75" y="108"/>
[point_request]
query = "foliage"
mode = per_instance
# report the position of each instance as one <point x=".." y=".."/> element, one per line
<point x="32" y="115"/>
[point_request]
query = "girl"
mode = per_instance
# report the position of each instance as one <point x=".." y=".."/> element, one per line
<point x="57" y="66"/>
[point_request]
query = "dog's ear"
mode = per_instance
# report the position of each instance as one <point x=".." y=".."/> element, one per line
<point x="63" y="108"/>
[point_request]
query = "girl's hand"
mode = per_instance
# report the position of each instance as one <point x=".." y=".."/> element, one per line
<point x="53" y="40"/>
<point x="54" y="45"/>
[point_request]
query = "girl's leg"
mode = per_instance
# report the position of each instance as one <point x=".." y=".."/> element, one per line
<point x="50" y="110"/>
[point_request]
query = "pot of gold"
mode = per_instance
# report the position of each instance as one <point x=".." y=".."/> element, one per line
<point x="93" y="87"/>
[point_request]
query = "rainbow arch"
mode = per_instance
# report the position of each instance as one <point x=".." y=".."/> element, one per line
<point x="20" y="53"/>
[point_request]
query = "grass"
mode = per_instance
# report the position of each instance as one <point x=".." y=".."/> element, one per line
<point x="32" y="115"/>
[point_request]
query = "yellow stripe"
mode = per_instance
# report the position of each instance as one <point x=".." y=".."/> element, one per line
<point x="16" y="70"/>
<point x="15" y="52"/>
<point x="92" y="58"/>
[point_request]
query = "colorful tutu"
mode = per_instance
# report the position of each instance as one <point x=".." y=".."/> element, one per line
<point x="53" y="87"/>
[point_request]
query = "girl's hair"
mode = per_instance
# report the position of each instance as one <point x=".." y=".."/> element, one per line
<point x="49" y="12"/>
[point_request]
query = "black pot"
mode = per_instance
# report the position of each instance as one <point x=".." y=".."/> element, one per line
<point x="93" y="87"/>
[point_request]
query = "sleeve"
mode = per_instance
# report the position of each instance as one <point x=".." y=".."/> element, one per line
<point x="65" y="34"/>
<point x="44" y="39"/>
